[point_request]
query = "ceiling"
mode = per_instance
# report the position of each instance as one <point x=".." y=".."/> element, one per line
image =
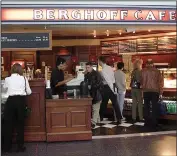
<point x="87" y="30"/>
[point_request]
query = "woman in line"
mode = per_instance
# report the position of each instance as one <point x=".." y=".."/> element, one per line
<point x="120" y="79"/>
<point x="136" y="91"/>
<point x="17" y="89"/>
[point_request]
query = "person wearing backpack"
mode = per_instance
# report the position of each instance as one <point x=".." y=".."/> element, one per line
<point x="136" y="91"/>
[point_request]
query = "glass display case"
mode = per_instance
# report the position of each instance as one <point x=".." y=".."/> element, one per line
<point x="169" y="75"/>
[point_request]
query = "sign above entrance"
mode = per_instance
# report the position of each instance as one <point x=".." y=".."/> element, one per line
<point x="88" y="14"/>
<point x="25" y="41"/>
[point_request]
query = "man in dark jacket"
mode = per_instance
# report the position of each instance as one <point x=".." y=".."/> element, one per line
<point x="94" y="80"/>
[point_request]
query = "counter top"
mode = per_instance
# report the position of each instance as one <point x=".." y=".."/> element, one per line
<point x="71" y="98"/>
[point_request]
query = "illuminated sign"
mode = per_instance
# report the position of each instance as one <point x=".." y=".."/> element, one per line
<point x="88" y="14"/>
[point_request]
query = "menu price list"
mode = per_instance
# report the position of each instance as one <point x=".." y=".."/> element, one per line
<point x="127" y="46"/>
<point x="167" y="44"/>
<point x="147" y="45"/>
<point x="110" y="47"/>
<point x="25" y="40"/>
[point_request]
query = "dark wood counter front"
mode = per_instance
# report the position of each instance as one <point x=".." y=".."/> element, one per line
<point x="68" y="119"/>
<point x="35" y="124"/>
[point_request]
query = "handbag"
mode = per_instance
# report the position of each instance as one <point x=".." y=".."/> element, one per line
<point x="134" y="83"/>
<point x="163" y="107"/>
<point x="27" y="109"/>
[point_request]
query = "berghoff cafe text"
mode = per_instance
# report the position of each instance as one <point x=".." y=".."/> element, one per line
<point x="106" y="14"/>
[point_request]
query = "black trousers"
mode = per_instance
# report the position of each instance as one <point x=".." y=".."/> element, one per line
<point x="108" y="94"/>
<point x="14" y="115"/>
<point x="151" y="98"/>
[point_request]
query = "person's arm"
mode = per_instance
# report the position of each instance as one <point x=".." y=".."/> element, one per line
<point x="116" y="79"/>
<point x="86" y="77"/>
<point x="97" y="81"/>
<point x="123" y="80"/>
<point x="63" y="82"/>
<point x="5" y="86"/>
<point x="28" y="89"/>
<point x="141" y="79"/>
<point x="161" y="83"/>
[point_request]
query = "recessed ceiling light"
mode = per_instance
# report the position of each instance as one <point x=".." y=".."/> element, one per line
<point x="149" y="30"/>
<point x="133" y="31"/>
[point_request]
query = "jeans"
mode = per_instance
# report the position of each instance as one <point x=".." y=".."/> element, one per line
<point x="151" y="98"/>
<point x="120" y="99"/>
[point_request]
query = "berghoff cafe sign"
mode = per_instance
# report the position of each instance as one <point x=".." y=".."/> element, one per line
<point x="106" y="14"/>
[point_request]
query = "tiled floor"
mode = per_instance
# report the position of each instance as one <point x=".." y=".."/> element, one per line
<point x="162" y="145"/>
<point x="108" y="127"/>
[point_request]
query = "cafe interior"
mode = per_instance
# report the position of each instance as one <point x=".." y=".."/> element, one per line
<point x="69" y="119"/>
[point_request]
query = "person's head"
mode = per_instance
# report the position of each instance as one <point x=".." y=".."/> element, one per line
<point x="138" y="64"/>
<point x="89" y="67"/>
<point x="149" y="63"/>
<point x="101" y="60"/>
<point x="17" y="69"/>
<point x="120" y="65"/>
<point x="61" y="63"/>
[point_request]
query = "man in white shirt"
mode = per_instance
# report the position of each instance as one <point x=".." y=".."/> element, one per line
<point x="109" y="91"/>
<point x="120" y="78"/>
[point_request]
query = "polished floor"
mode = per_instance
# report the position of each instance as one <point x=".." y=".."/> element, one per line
<point x="109" y="127"/>
<point x="156" y="145"/>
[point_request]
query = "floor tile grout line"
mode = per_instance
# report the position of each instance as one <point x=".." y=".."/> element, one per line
<point x="134" y="135"/>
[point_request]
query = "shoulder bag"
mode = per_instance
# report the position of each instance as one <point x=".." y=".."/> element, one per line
<point x="134" y="83"/>
<point x="27" y="109"/>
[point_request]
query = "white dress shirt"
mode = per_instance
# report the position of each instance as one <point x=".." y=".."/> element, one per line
<point x="108" y="76"/>
<point x="15" y="85"/>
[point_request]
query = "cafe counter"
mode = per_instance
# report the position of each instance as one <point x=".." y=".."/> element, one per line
<point x="35" y="128"/>
<point x="55" y="119"/>
<point x="68" y="119"/>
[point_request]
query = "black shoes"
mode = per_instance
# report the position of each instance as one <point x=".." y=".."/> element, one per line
<point x="119" y="122"/>
<point x="93" y="126"/>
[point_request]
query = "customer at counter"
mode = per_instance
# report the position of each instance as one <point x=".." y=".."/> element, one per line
<point x="95" y="85"/>
<point x="152" y="85"/>
<point x="136" y="91"/>
<point x="120" y="78"/>
<point x="14" y="112"/>
<point x="109" y="90"/>
<point x="58" y="80"/>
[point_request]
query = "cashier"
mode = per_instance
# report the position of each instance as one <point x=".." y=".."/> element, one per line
<point x="58" y="79"/>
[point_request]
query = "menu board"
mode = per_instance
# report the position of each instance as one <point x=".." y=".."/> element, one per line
<point x="127" y="46"/>
<point x="167" y="44"/>
<point x="147" y="45"/>
<point x="26" y="40"/>
<point x="109" y="47"/>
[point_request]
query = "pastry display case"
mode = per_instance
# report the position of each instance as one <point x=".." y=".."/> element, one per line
<point x="169" y="75"/>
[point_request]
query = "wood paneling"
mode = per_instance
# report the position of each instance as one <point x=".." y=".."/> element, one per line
<point x="47" y="57"/>
<point x="68" y="119"/>
<point x="27" y="56"/>
<point x="83" y="52"/>
<point x="7" y="60"/>
<point x="35" y="124"/>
